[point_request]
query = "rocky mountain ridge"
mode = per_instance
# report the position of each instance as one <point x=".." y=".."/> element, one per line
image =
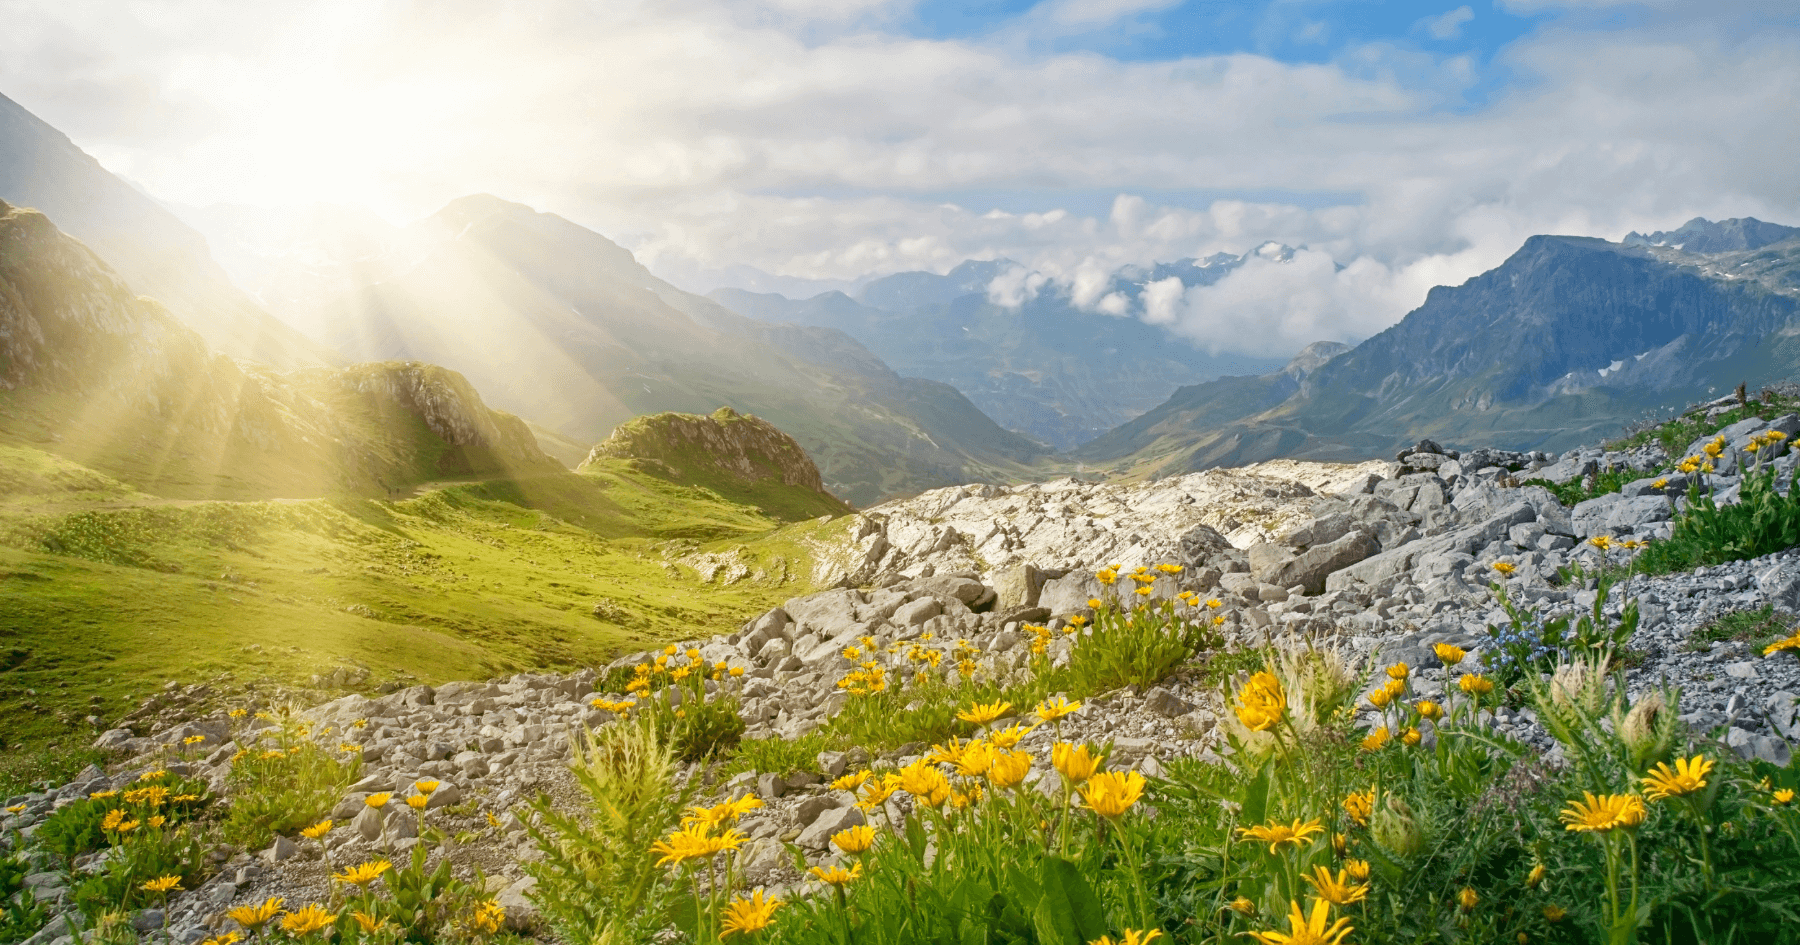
<point x="1567" y="341"/>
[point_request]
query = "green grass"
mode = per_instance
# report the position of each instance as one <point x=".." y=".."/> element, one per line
<point x="1675" y="435"/>
<point x="101" y="602"/>
<point x="1757" y="627"/>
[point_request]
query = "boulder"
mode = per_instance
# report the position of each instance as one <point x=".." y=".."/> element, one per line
<point x="818" y="835"/>
<point x="1018" y="586"/>
<point x="1070" y="593"/>
<point x="1310" y="568"/>
<point x="1607" y="514"/>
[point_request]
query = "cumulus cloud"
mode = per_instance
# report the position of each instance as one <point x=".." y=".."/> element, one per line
<point x="1448" y="25"/>
<point x="812" y="141"/>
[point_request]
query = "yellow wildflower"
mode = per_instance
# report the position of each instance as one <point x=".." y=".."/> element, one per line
<point x="418" y="801"/>
<point x="1449" y="654"/>
<point x="364" y="874"/>
<point x="162" y="884"/>
<point x="1261" y="702"/>
<point x="980" y="714"/>
<point x="378" y="801"/>
<point x="1110" y="793"/>
<point x="1074" y="762"/>
<point x="1555" y="913"/>
<point x="748" y="915"/>
<point x="854" y="839"/>
<point x="1337" y="890"/>
<point x="1052" y="709"/>
<point x="1129" y="937"/>
<point x="1475" y="685"/>
<point x="1536" y="876"/>
<point x="1604" y="813"/>
<point x="1466" y="899"/>
<point x="851" y="782"/>
<point x="1009" y="769"/>
<point x="317" y="830"/>
<point x="1688" y="776"/>
<point x="1374" y="740"/>
<point x="1429" y="709"/>
<point x="1275" y="833"/>
<point x="1305" y="930"/>
<point x="255" y="917"/>
<point x="837" y="875"/>
<point x="1360" y="805"/>
<point x="1783" y="797"/>
<point x="308" y="920"/>
<point x="1357" y="869"/>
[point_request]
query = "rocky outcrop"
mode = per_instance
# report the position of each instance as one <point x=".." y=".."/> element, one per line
<point x="748" y="448"/>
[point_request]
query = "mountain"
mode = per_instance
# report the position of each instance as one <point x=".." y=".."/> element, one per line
<point x="1566" y="341"/>
<point x="1701" y="236"/>
<point x="95" y="373"/>
<point x="153" y="251"/>
<point x="1047" y="368"/>
<point x="556" y="322"/>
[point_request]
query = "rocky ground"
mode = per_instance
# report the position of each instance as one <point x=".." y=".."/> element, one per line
<point x="1380" y="560"/>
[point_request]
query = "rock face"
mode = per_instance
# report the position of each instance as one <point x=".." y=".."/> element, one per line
<point x="746" y="447"/>
<point x="161" y="410"/>
<point x="1069" y="525"/>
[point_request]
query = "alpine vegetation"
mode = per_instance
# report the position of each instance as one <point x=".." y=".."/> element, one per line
<point x="1428" y="702"/>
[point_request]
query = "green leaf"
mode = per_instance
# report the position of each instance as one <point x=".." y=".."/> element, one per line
<point x="1256" y="798"/>
<point x="1069" y="895"/>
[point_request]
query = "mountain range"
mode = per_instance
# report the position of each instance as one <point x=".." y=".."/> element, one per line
<point x="1046" y="367"/>
<point x="114" y="334"/>
<point x="1570" y="339"/>
<point x="557" y="323"/>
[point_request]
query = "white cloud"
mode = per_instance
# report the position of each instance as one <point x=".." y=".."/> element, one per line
<point x="1015" y="286"/>
<point x="1448" y="25"/>
<point x="792" y="135"/>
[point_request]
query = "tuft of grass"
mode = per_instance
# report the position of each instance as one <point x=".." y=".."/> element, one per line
<point x="1757" y="627"/>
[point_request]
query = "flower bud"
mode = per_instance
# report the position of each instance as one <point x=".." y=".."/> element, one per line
<point x="1396" y="829"/>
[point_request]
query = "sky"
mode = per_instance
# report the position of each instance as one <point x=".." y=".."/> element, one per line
<point x="806" y="144"/>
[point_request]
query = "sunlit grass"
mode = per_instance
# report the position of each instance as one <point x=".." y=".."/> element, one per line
<point x="463" y="582"/>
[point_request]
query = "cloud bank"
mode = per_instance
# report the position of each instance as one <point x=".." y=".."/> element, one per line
<point x="820" y="141"/>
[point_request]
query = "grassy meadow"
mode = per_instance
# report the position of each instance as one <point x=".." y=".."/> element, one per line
<point x="107" y="593"/>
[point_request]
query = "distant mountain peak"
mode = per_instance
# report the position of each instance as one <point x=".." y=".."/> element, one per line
<point x="1313" y="356"/>
<point x="1701" y="235"/>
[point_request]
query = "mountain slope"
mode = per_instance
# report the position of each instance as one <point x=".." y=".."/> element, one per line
<point x="94" y="373"/>
<point x="1046" y="368"/>
<point x="155" y="253"/>
<point x="1566" y="341"/>
<point x="556" y="322"/>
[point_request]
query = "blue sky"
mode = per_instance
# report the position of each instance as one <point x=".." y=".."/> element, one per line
<point x="1297" y="31"/>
